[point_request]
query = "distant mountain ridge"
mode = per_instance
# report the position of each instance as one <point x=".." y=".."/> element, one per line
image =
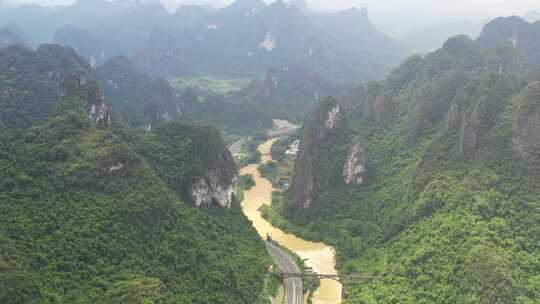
<point x="516" y="36"/>
<point x="9" y="37"/>
<point x="248" y="36"/>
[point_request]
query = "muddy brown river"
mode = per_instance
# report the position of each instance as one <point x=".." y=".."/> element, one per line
<point x="319" y="256"/>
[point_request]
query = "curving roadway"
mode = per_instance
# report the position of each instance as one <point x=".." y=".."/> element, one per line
<point x="294" y="293"/>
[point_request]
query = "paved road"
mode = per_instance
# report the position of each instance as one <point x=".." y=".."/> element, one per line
<point x="236" y="146"/>
<point x="293" y="286"/>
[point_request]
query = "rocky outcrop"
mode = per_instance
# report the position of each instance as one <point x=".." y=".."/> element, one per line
<point x="89" y="91"/>
<point x="210" y="189"/>
<point x="470" y="132"/>
<point x="330" y="156"/>
<point x="526" y="127"/>
<point x="196" y="161"/>
<point x="354" y="168"/>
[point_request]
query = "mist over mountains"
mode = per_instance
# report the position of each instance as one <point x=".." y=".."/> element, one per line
<point x="246" y="37"/>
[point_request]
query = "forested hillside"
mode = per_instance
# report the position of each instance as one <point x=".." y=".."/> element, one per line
<point x="30" y="82"/>
<point x="283" y="93"/>
<point x="137" y="98"/>
<point x="448" y="209"/>
<point x="92" y="211"/>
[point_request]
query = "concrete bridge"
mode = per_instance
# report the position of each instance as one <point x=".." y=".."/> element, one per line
<point x="343" y="280"/>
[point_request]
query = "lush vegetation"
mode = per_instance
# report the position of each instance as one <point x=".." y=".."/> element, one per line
<point x="245" y="183"/>
<point x="450" y="209"/>
<point x="98" y="213"/>
<point x="138" y="99"/>
<point x="30" y="81"/>
<point x="286" y="93"/>
<point x="269" y="170"/>
<point x="209" y="84"/>
<point x="280" y="147"/>
<point x="249" y="153"/>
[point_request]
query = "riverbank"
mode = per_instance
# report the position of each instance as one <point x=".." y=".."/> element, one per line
<point x="319" y="256"/>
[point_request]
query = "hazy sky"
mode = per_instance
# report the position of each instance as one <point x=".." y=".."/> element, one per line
<point x="414" y="13"/>
<point x="451" y="6"/>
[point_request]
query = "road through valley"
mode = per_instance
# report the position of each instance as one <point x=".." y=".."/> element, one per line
<point x="318" y="256"/>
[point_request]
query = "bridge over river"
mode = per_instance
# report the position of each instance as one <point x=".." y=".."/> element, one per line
<point x="318" y="256"/>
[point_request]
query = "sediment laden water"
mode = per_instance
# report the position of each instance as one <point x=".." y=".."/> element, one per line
<point x="319" y="256"/>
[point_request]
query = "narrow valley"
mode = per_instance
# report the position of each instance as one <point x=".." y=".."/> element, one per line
<point x="318" y="256"/>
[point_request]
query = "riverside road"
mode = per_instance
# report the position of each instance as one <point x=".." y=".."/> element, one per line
<point x="294" y="293"/>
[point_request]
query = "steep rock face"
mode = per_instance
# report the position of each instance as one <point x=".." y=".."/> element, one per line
<point x="526" y="126"/>
<point x="217" y="183"/>
<point x="469" y="133"/>
<point x="329" y="155"/>
<point x="354" y="168"/>
<point x="431" y="102"/>
<point x="195" y="162"/>
<point x="90" y="91"/>
<point x="516" y="35"/>
<point x="475" y="108"/>
<point x="210" y="189"/>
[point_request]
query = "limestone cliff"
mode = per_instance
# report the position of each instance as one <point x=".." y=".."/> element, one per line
<point x="518" y="37"/>
<point x="330" y="155"/>
<point x="195" y="162"/>
<point x="89" y="91"/>
<point x="212" y="188"/>
<point x="526" y="124"/>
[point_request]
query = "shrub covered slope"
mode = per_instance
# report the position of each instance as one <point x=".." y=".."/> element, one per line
<point x="95" y="212"/>
<point x="450" y="206"/>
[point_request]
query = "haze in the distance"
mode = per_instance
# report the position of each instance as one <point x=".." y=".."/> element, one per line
<point x="396" y="17"/>
<point x="463" y="7"/>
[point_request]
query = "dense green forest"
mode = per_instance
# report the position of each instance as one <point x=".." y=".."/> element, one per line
<point x="449" y="210"/>
<point x="30" y="81"/>
<point x="140" y="100"/>
<point x="92" y="211"/>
